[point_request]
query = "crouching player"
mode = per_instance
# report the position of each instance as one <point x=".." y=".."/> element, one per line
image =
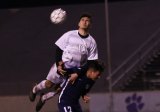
<point x="71" y="92"/>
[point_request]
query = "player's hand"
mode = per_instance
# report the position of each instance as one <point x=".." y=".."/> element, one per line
<point x="60" y="68"/>
<point x="73" y="77"/>
<point x="86" y="98"/>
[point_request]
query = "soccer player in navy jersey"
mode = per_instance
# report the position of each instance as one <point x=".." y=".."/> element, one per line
<point x="71" y="92"/>
<point x="73" y="50"/>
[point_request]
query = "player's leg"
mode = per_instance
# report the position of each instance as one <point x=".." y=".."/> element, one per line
<point x="59" y="82"/>
<point x="49" y="95"/>
<point x="58" y="88"/>
<point x="43" y="98"/>
<point x="51" y="77"/>
<point x="40" y="86"/>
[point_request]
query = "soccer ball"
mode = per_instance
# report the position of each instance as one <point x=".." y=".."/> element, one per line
<point x="58" y="16"/>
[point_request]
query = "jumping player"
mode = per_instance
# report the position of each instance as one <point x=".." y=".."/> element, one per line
<point x="71" y="93"/>
<point x="74" y="49"/>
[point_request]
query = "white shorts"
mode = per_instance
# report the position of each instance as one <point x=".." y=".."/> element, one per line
<point x="54" y="77"/>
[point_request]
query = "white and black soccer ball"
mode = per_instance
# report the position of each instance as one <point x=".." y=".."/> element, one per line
<point x="58" y="16"/>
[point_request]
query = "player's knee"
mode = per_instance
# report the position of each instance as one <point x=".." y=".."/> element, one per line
<point x="48" y="84"/>
<point x="57" y="86"/>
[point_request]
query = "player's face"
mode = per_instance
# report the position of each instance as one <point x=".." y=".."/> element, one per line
<point x="94" y="74"/>
<point x="84" y="23"/>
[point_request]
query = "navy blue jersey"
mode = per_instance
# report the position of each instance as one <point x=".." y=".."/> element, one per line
<point x="71" y="93"/>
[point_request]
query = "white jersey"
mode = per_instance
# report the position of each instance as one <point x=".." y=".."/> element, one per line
<point x="77" y="50"/>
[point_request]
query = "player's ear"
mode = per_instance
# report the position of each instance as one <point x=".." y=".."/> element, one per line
<point x="90" y="26"/>
<point x="78" y="24"/>
<point x="99" y="77"/>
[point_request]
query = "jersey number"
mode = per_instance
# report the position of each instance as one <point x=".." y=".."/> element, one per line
<point x="68" y="109"/>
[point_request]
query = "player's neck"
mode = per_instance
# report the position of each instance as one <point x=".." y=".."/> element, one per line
<point x="83" y="36"/>
<point x="83" y="32"/>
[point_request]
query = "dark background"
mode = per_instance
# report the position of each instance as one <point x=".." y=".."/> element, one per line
<point x="27" y="42"/>
<point x="33" y="3"/>
<point x="27" y="36"/>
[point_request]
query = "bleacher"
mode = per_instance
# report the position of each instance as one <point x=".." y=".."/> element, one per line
<point x="147" y="78"/>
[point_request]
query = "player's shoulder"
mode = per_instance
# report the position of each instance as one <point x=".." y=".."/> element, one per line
<point x="68" y="33"/>
<point x="71" y="32"/>
<point x="92" y="38"/>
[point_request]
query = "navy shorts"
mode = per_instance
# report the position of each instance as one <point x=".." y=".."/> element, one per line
<point x="69" y="107"/>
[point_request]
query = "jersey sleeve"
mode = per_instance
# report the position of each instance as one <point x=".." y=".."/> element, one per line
<point x="93" y="52"/>
<point x="58" y="55"/>
<point x="62" y="41"/>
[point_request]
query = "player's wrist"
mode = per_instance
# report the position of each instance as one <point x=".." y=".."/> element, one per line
<point x="60" y="63"/>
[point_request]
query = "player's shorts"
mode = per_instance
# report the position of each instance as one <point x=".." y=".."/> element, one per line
<point x="69" y="107"/>
<point x="54" y="77"/>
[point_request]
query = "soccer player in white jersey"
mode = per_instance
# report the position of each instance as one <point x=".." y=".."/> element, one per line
<point x="74" y="49"/>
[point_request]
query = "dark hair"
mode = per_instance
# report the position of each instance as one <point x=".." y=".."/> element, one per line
<point x="85" y="15"/>
<point x="95" y="65"/>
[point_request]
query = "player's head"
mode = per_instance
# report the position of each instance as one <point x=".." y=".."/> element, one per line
<point x="85" y="21"/>
<point x="94" y="69"/>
